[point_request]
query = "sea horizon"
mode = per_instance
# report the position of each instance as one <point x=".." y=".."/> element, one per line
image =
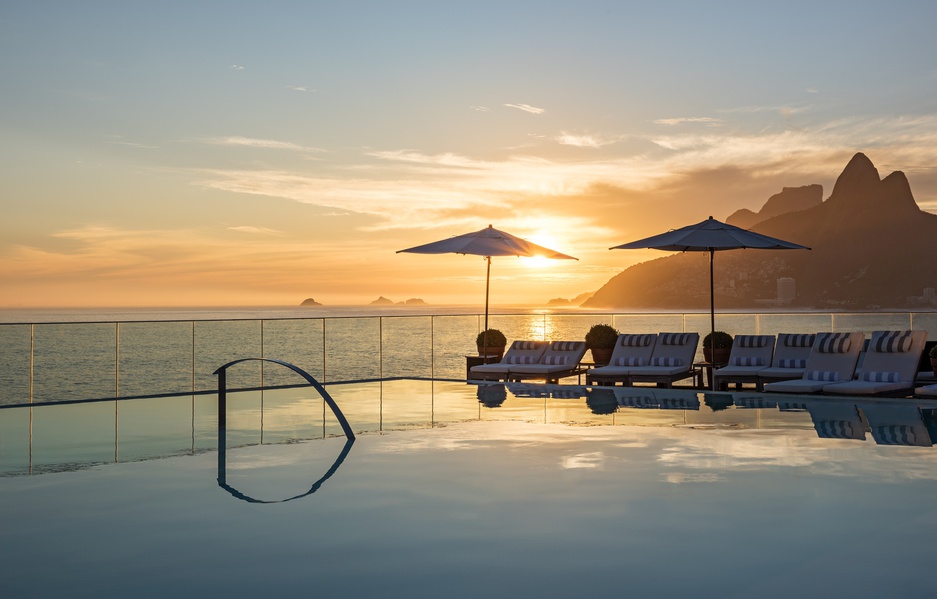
<point x="48" y="314"/>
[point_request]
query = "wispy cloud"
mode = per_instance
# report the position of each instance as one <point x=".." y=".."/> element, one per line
<point x="587" y="140"/>
<point x="685" y="120"/>
<point x="527" y="108"/>
<point x="480" y="108"/>
<point x="248" y="142"/>
<point x="236" y="67"/>
<point x="300" y="88"/>
<point x="254" y="230"/>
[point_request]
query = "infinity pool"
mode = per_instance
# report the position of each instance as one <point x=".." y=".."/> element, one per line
<point x="452" y="490"/>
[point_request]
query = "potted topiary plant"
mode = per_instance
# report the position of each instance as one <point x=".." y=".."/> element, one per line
<point x="716" y="347"/>
<point x="933" y="359"/>
<point x="601" y="340"/>
<point x="491" y="343"/>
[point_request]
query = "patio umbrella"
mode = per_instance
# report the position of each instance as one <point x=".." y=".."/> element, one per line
<point x="710" y="236"/>
<point x="487" y="242"/>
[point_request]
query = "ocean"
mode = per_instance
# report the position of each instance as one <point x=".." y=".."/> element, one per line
<point x="52" y="355"/>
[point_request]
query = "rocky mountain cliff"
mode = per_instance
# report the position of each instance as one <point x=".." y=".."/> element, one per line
<point x="871" y="248"/>
<point x="791" y="199"/>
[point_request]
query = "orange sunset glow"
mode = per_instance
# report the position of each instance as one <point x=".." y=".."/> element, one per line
<point x="177" y="155"/>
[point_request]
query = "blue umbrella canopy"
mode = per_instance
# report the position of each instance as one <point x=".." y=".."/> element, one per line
<point x="710" y="236"/>
<point x="487" y="242"/>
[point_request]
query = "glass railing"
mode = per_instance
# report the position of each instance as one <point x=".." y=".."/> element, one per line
<point x="76" y="361"/>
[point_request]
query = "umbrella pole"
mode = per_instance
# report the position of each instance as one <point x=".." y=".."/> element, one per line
<point x="712" y="319"/>
<point x="487" y="279"/>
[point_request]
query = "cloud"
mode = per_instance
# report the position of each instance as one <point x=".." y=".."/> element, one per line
<point x="584" y="141"/>
<point x="236" y="67"/>
<point x="299" y="88"/>
<point x="247" y="142"/>
<point x="480" y="108"/>
<point x="254" y="230"/>
<point x="684" y="120"/>
<point x="527" y="108"/>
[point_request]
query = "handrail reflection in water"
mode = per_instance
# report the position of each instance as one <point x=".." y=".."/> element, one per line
<point x="221" y="372"/>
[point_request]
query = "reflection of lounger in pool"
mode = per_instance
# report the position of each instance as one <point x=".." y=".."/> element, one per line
<point x="679" y="402"/>
<point x="628" y="397"/>
<point x="750" y="402"/>
<point x="836" y="420"/>
<point x="897" y="425"/>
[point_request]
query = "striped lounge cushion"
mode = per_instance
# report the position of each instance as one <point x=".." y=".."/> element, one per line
<point x="891" y="341"/>
<point x="751" y="340"/>
<point x="799" y="340"/>
<point x="555" y="360"/>
<point x="565" y="345"/>
<point x="629" y="361"/>
<point x="520" y="360"/>
<point x="747" y="361"/>
<point x="880" y="377"/>
<point x="674" y="338"/>
<point x="826" y="376"/>
<point x="636" y="340"/>
<point x="666" y="361"/>
<point x="792" y="363"/>
<point x="833" y="343"/>
<point x="525" y="345"/>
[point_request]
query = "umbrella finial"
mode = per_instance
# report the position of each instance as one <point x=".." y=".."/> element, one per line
<point x="710" y="218"/>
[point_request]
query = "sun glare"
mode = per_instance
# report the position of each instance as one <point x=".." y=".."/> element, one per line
<point x="538" y="262"/>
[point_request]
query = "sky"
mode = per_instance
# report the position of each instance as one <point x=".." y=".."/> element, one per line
<point x="245" y="153"/>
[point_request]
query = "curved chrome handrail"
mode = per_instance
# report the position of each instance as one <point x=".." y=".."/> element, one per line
<point x="222" y="390"/>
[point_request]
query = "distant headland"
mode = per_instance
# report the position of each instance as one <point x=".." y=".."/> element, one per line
<point x="872" y="249"/>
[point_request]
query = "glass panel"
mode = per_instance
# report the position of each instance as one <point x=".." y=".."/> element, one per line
<point x="352" y="349"/>
<point x="14" y="364"/>
<point x="453" y="339"/>
<point x="219" y="342"/>
<point x="298" y="342"/>
<point x="74" y="361"/>
<point x="155" y="357"/>
<point x="866" y="323"/>
<point x="407" y="345"/>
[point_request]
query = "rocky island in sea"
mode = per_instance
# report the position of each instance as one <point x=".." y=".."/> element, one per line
<point x="872" y="247"/>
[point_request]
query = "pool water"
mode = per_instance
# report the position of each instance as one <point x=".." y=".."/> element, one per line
<point x="443" y="496"/>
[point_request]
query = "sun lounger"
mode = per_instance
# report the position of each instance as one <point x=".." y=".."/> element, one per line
<point x="750" y="355"/>
<point x="561" y="359"/>
<point x="520" y="352"/>
<point x="671" y="360"/>
<point x="832" y="359"/>
<point x="631" y="351"/>
<point x="790" y="358"/>
<point x="889" y="366"/>
<point x="897" y="425"/>
<point x="834" y="420"/>
<point x="926" y="391"/>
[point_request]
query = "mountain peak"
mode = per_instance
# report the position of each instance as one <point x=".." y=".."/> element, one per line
<point x="859" y="179"/>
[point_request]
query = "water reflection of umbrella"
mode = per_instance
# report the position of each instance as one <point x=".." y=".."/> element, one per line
<point x="487" y="242"/>
<point x="710" y="236"/>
